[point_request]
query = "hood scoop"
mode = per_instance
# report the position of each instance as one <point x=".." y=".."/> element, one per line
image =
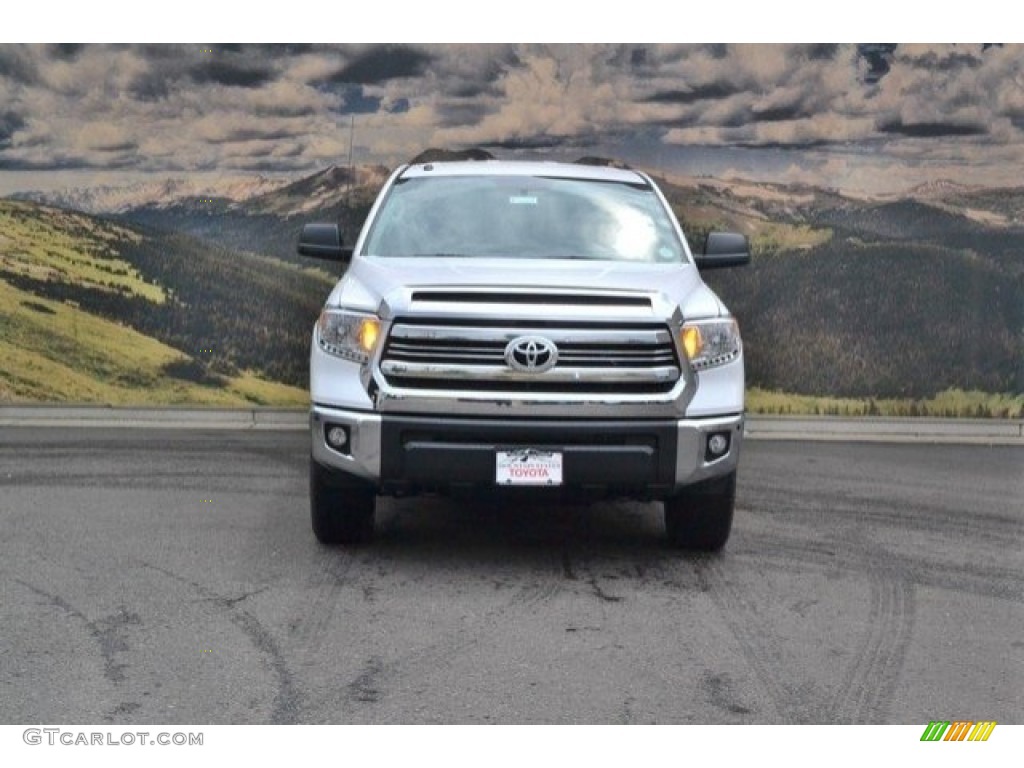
<point x="536" y="298"/>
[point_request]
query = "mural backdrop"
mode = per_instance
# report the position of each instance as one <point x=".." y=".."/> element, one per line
<point x="150" y="196"/>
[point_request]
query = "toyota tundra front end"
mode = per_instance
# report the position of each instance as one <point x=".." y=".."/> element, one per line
<point x="525" y="327"/>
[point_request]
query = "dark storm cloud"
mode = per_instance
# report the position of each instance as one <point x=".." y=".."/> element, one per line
<point x="9" y="123"/>
<point x="261" y="151"/>
<point x="631" y="56"/>
<point x="931" y="130"/>
<point x="17" y="164"/>
<point x="157" y="52"/>
<point x="470" y="90"/>
<point x="531" y="142"/>
<point x="254" y="133"/>
<point x="123" y="146"/>
<point x="477" y="76"/>
<point x="355" y="101"/>
<point x="788" y="146"/>
<point x="284" y="110"/>
<point x="778" y="114"/>
<point x="485" y="85"/>
<point x="167" y="70"/>
<point x="17" y="64"/>
<point x="383" y="63"/>
<point x="822" y="51"/>
<point x="151" y="86"/>
<point x="67" y="51"/>
<point x="544" y="141"/>
<point x="708" y="91"/>
<point x="172" y="67"/>
<point x="451" y="114"/>
<point x="291" y="49"/>
<point x="269" y="50"/>
<point x="878" y="57"/>
<point x="231" y="74"/>
<point x="66" y="163"/>
<point x="950" y="63"/>
<point x="657" y="54"/>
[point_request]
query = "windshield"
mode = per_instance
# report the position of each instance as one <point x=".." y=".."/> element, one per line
<point x="524" y="217"/>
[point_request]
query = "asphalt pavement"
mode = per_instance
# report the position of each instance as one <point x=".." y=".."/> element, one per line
<point x="159" y="575"/>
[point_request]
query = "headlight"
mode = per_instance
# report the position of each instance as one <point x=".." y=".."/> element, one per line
<point x="709" y="343"/>
<point x="347" y="335"/>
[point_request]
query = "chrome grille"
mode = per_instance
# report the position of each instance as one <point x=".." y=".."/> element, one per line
<point x="592" y="357"/>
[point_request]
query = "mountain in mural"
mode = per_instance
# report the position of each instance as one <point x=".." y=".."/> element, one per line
<point x="882" y="297"/>
<point x="93" y="310"/>
<point x="107" y="198"/>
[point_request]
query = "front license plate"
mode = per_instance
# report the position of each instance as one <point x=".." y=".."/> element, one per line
<point x="529" y="466"/>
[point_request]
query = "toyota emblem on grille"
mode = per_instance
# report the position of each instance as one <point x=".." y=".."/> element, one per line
<point x="531" y="354"/>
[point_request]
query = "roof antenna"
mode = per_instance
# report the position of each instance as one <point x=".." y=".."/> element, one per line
<point x="351" y="171"/>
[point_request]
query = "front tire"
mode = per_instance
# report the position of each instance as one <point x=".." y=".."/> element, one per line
<point x="700" y="516"/>
<point x="341" y="506"/>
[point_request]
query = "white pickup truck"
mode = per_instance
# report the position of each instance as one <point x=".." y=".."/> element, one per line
<point x="513" y="327"/>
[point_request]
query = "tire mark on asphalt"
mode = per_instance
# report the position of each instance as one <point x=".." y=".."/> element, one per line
<point x="567" y="570"/>
<point x="867" y="688"/>
<point x="628" y="717"/>
<point x="331" y="577"/>
<point x="366" y="687"/>
<point x="591" y="580"/>
<point x="986" y="581"/>
<point x="907" y="515"/>
<point x="586" y="571"/>
<point x="740" y="615"/>
<point x="718" y="689"/>
<point x="107" y="632"/>
<point x="286" y="700"/>
<point x="369" y="687"/>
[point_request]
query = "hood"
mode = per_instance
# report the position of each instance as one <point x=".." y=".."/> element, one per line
<point x="368" y="282"/>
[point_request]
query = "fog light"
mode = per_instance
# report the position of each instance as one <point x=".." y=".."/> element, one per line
<point x="337" y="437"/>
<point x="718" y="444"/>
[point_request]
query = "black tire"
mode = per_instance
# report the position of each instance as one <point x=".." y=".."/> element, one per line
<point x="341" y="506"/>
<point x="700" y="517"/>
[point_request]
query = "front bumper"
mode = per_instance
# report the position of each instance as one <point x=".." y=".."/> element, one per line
<point x="637" y="458"/>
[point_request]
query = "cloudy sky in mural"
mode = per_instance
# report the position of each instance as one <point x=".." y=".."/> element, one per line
<point x="861" y="117"/>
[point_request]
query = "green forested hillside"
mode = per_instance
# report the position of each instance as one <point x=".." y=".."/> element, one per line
<point x="96" y="311"/>
<point x="883" y="319"/>
<point x="876" y="300"/>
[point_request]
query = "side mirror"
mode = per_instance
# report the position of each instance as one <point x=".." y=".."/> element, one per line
<point x="724" y="249"/>
<point x="323" y="241"/>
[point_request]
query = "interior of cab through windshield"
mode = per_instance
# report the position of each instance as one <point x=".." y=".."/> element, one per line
<point x="523" y="217"/>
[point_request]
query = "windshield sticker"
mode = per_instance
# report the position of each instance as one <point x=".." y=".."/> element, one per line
<point x="523" y="200"/>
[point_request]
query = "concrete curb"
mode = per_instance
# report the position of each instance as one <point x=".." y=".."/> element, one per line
<point x="833" y="428"/>
<point x="879" y="429"/>
<point x="156" y="418"/>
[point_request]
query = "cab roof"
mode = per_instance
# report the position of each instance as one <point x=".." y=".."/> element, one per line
<point x="523" y="168"/>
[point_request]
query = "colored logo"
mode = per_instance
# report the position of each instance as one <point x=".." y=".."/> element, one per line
<point x="958" y="730"/>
